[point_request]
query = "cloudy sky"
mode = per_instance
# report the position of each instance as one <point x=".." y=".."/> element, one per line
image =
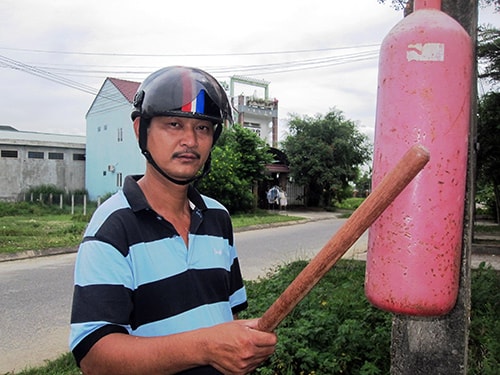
<point x="316" y="55"/>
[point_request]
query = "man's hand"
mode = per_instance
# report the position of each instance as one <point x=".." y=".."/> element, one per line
<point x="238" y="347"/>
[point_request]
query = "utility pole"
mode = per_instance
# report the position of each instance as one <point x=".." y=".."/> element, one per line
<point x="439" y="345"/>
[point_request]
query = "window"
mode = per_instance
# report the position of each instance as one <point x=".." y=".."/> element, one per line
<point x="78" y="156"/>
<point x="9" y="154"/>
<point x="35" y="154"/>
<point x="56" y="155"/>
<point x="252" y="126"/>
<point x="120" y="134"/>
<point x="119" y="180"/>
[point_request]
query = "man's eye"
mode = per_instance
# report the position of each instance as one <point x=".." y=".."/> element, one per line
<point x="173" y="124"/>
<point x="204" y="128"/>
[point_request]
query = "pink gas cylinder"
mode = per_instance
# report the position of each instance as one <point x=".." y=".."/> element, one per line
<point x="414" y="248"/>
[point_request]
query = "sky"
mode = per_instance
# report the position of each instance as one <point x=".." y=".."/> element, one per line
<point x="316" y="55"/>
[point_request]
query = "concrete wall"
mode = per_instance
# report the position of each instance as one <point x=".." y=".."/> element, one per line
<point x="33" y="159"/>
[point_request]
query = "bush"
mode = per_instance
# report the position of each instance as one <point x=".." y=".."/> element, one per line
<point x="334" y="330"/>
<point x="484" y="344"/>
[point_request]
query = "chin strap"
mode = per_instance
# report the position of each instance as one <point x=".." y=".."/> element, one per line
<point x="206" y="169"/>
<point x="143" y="134"/>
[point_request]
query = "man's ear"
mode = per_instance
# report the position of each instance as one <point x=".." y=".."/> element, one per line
<point x="137" y="122"/>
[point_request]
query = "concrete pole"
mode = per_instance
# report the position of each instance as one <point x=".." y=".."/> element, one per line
<point x="439" y="345"/>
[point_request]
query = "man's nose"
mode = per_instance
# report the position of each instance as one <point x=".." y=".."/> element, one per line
<point x="189" y="137"/>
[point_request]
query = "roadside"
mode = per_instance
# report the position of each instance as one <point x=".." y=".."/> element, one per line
<point x="487" y="248"/>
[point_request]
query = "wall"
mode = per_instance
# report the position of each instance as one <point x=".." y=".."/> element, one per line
<point x="22" y="172"/>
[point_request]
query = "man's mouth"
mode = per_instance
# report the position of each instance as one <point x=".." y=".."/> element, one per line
<point x="190" y="155"/>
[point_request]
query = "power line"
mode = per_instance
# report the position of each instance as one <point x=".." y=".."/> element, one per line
<point x="224" y="54"/>
<point x="249" y="69"/>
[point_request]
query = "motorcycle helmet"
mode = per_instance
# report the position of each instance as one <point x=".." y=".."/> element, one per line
<point x="181" y="92"/>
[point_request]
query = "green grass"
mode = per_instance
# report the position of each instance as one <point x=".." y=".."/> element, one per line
<point x="26" y="226"/>
<point x="261" y="218"/>
<point x="19" y="233"/>
<point x="487" y="229"/>
<point x="334" y="330"/>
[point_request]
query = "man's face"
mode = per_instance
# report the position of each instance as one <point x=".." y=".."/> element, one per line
<point x="180" y="145"/>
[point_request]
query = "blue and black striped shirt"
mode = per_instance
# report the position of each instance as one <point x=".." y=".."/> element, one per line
<point x="134" y="274"/>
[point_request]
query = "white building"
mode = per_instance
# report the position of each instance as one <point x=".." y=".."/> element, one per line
<point x="30" y="159"/>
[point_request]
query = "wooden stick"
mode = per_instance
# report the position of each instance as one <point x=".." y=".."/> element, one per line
<point x="362" y="218"/>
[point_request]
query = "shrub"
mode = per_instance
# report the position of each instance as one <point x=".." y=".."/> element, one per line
<point x="333" y="330"/>
<point x="484" y="344"/>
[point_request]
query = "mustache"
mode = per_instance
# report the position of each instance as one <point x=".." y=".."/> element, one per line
<point x="187" y="151"/>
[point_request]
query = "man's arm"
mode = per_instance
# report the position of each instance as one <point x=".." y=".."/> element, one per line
<point x="232" y="348"/>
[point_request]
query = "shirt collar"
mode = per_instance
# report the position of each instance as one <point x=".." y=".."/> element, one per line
<point x="138" y="201"/>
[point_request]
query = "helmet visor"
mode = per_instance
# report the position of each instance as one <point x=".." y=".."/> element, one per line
<point x="185" y="92"/>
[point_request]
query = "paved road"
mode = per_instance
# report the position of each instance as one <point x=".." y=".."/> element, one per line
<point x="35" y="297"/>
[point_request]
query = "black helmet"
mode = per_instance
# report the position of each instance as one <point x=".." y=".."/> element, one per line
<point x="183" y="92"/>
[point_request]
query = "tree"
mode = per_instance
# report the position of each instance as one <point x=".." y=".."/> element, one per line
<point x="325" y="154"/>
<point x="488" y="155"/>
<point x="488" y="53"/>
<point x="238" y="162"/>
<point x="408" y="4"/>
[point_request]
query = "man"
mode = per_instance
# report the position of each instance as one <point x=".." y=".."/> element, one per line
<point x="157" y="279"/>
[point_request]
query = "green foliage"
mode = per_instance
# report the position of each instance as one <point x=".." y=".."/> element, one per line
<point x="488" y="53"/>
<point x="238" y="162"/>
<point x="405" y="4"/>
<point x="334" y="330"/>
<point x="224" y="183"/>
<point x="21" y="208"/>
<point x="64" y="365"/>
<point x="488" y="156"/>
<point x="31" y="232"/>
<point x="350" y="203"/>
<point x="325" y="154"/>
<point x="261" y="218"/>
<point x="484" y="344"/>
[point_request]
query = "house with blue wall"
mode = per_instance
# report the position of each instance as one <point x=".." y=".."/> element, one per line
<point x="112" y="151"/>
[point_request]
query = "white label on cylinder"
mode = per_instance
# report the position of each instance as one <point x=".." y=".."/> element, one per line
<point x="425" y="52"/>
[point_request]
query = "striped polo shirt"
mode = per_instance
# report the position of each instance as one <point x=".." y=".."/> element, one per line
<point x="134" y="273"/>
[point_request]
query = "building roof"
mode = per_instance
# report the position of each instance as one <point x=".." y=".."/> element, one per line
<point x="8" y="128"/>
<point x="127" y="88"/>
<point x="12" y="136"/>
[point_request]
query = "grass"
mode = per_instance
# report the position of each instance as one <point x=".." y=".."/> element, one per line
<point x="261" y="218"/>
<point x="18" y="233"/>
<point x="37" y="227"/>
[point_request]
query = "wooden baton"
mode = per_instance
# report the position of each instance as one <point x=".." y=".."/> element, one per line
<point x="361" y="219"/>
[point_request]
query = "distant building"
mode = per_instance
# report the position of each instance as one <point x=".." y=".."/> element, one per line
<point x="112" y="148"/>
<point x="30" y="159"/>
<point x="256" y="113"/>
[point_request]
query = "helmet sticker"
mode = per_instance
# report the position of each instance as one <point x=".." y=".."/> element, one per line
<point x="197" y="105"/>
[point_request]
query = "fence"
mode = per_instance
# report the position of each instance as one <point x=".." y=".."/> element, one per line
<point x="74" y="200"/>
